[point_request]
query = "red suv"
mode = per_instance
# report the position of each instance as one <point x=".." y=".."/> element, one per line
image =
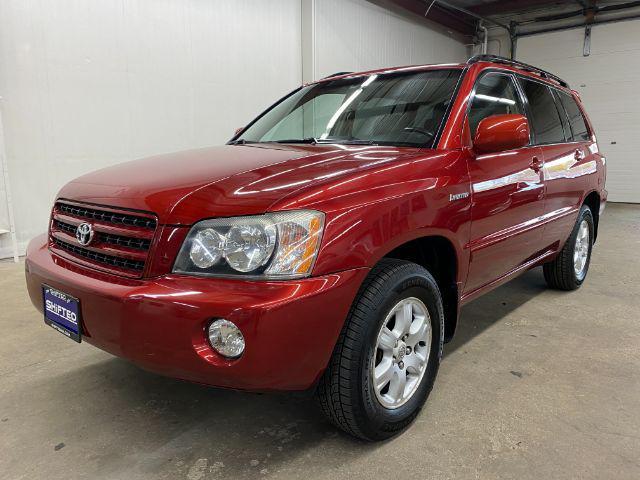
<point x="332" y="242"/>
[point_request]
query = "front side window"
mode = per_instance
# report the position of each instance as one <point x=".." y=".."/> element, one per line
<point x="495" y="94"/>
<point x="404" y="109"/>
<point x="576" y="120"/>
<point x="544" y="117"/>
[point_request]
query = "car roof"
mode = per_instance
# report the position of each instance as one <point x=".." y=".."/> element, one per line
<point x="484" y="62"/>
<point x="401" y="69"/>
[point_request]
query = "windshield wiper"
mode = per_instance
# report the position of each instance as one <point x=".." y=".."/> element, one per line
<point x="355" y="142"/>
<point x="338" y="141"/>
<point x="311" y="140"/>
<point x="296" y="140"/>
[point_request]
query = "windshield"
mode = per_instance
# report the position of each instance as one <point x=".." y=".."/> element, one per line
<point x="404" y="109"/>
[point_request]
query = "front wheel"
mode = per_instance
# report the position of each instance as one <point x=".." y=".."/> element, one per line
<point x="569" y="269"/>
<point x="387" y="357"/>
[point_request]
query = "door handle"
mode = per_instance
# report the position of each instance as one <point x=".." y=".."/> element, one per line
<point x="579" y="155"/>
<point x="535" y="164"/>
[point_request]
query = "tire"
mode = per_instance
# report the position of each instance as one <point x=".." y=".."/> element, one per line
<point x="346" y="392"/>
<point x="562" y="273"/>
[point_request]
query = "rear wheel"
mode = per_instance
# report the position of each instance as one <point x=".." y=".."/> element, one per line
<point x="569" y="269"/>
<point x="387" y="357"/>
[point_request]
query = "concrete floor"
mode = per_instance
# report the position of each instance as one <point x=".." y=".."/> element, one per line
<point x="538" y="384"/>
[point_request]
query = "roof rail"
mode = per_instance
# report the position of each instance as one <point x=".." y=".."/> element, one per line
<point x="337" y="74"/>
<point x="515" y="63"/>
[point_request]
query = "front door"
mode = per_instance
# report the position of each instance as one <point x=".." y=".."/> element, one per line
<point x="507" y="191"/>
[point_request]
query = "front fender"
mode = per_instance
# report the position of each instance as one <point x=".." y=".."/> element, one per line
<point x="372" y="213"/>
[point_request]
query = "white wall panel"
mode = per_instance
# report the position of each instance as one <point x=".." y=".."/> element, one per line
<point x="4" y="212"/>
<point x="86" y="84"/>
<point x="353" y="35"/>
<point x="607" y="81"/>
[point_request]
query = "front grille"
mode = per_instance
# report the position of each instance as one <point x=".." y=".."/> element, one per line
<point x="137" y="243"/>
<point x="100" y="257"/>
<point x="65" y="227"/>
<point x="110" y="217"/>
<point x="121" y="240"/>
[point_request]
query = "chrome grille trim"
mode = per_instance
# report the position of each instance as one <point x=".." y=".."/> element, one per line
<point x="100" y="257"/>
<point x="121" y="240"/>
<point x="105" y="216"/>
<point x="129" y="242"/>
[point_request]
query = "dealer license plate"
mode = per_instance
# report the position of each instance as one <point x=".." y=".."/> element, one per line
<point x="62" y="312"/>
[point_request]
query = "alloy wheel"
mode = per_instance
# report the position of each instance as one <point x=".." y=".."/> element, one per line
<point x="402" y="353"/>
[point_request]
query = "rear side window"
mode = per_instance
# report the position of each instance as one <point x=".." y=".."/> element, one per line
<point x="576" y="120"/>
<point x="495" y="94"/>
<point x="563" y="116"/>
<point x="545" y="119"/>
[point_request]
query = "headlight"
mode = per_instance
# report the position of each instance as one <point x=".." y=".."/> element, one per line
<point x="274" y="245"/>
<point x="248" y="247"/>
<point x="206" y="248"/>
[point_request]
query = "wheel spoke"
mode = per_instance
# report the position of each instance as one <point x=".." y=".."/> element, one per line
<point x="414" y="363"/>
<point x="382" y="373"/>
<point x="398" y="382"/>
<point x="419" y="331"/>
<point x="404" y="317"/>
<point x="387" y="340"/>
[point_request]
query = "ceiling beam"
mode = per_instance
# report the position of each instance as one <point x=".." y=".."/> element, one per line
<point x="438" y="15"/>
<point x="511" y="6"/>
<point x="450" y="6"/>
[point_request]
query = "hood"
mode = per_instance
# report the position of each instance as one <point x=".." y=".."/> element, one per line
<point x="185" y="187"/>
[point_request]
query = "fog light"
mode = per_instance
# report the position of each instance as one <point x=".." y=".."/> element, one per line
<point x="226" y="338"/>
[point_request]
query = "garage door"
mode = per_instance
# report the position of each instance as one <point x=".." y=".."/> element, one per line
<point x="607" y="81"/>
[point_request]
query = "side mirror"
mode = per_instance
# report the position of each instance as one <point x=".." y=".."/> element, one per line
<point x="498" y="133"/>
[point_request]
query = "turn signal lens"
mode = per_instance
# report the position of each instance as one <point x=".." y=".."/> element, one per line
<point x="297" y="247"/>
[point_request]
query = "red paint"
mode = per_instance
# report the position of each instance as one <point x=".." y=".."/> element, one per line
<point x="502" y="205"/>
<point x="498" y="133"/>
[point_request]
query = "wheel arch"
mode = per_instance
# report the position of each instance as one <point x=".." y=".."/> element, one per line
<point x="592" y="200"/>
<point x="437" y="254"/>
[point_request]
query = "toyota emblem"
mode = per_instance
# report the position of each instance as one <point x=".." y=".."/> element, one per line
<point x="84" y="233"/>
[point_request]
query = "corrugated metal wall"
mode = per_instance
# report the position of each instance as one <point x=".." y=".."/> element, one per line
<point x="86" y="84"/>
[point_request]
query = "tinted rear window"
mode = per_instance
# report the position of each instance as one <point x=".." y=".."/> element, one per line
<point x="545" y="119"/>
<point x="576" y="120"/>
<point x="563" y="116"/>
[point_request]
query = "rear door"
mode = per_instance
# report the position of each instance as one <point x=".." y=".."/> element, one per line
<point x="565" y="157"/>
<point x="569" y="180"/>
<point x="507" y="191"/>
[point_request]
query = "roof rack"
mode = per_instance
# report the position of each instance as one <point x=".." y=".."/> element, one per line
<point x="515" y="63"/>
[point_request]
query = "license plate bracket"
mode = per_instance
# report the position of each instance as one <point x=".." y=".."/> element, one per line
<point x="62" y="312"/>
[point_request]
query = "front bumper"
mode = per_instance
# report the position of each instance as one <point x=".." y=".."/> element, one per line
<point x="290" y="327"/>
